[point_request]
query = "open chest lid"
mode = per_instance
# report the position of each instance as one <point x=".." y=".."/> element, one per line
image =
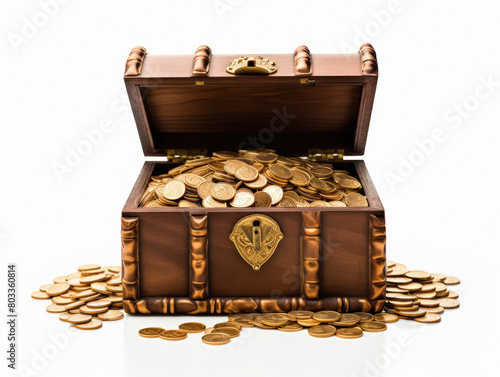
<point x="293" y="103"/>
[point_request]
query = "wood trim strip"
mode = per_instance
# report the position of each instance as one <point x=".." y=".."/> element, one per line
<point x="377" y="260"/>
<point x="302" y="61"/>
<point x="220" y="305"/>
<point x="198" y="258"/>
<point x="134" y="62"/>
<point x="369" y="65"/>
<point x="311" y="245"/>
<point x="130" y="257"/>
<point x="201" y="63"/>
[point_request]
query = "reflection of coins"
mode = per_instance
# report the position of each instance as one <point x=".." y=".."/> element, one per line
<point x="174" y="189"/>
<point x="275" y="192"/>
<point x="173" y="335"/>
<point x="215" y="338"/>
<point x="262" y="199"/>
<point x="322" y="331"/>
<point x="349" y="332"/>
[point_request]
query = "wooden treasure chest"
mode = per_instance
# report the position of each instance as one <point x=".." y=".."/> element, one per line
<point x="252" y="206"/>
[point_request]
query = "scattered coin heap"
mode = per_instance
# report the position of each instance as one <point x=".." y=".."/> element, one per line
<point x="412" y="295"/>
<point x="253" y="178"/>
<point x="85" y="298"/>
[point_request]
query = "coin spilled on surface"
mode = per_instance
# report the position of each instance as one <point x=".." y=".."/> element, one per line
<point x="410" y="295"/>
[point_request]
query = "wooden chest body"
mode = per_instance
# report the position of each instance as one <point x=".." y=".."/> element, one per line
<point x="181" y="260"/>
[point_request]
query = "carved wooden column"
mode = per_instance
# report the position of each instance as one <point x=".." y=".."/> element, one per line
<point x="311" y="244"/>
<point x="130" y="262"/>
<point x="198" y="261"/>
<point x="377" y="257"/>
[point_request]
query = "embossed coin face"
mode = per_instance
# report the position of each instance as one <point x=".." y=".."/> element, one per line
<point x="215" y="339"/>
<point x="386" y="317"/>
<point x="322" y="331"/>
<point x="258" y="184"/>
<point x="204" y="189"/>
<point x="151" y="332"/>
<point x="347" y="319"/>
<point x="193" y="180"/>
<point x="192" y="327"/>
<point x="210" y="202"/>
<point x="262" y="199"/>
<point x="326" y="316"/>
<point x="281" y="171"/>
<point x="257" y="321"/>
<point x="364" y="316"/>
<point x="267" y="158"/>
<point x="231" y="331"/>
<point x="231" y="165"/>
<point x="174" y="189"/>
<point x="356" y="200"/>
<point x="349" y="332"/>
<point x="428" y="318"/>
<point x="372" y="326"/>
<point x="350" y="184"/>
<point x="93" y="324"/>
<point x="246" y="173"/>
<point x="274" y="319"/>
<point x="173" y="335"/>
<point x="234" y="324"/>
<point x="242" y="199"/>
<point x="301" y="314"/>
<point x="275" y="192"/>
<point x="222" y="192"/>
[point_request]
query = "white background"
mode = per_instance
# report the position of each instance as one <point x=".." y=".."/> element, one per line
<point x="64" y="78"/>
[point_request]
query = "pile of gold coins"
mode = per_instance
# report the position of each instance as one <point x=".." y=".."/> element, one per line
<point x="85" y="298"/>
<point x="253" y="179"/>
<point x="411" y="295"/>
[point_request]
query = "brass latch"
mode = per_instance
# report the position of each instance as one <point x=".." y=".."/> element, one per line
<point x="325" y="154"/>
<point x="251" y="66"/>
<point x="182" y="155"/>
<point x="256" y="238"/>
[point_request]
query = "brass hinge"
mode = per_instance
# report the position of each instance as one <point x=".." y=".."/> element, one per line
<point x="326" y="154"/>
<point x="182" y="155"/>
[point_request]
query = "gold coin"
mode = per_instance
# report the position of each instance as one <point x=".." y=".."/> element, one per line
<point x="74" y="305"/>
<point x="215" y="339"/>
<point x="448" y="303"/>
<point x="267" y="158"/>
<point x="115" y="269"/>
<point x="85" y="293"/>
<point x="58" y="289"/>
<point x="59" y="279"/>
<point x="281" y="171"/>
<point x="301" y="314"/>
<point x="428" y="318"/>
<point x="452" y="294"/>
<point x="365" y="317"/>
<point x="258" y="184"/>
<point x="93" y="278"/>
<point x="257" y="321"/>
<point x="412" y="313"/>
<point x="187" y="204"/>
<point x="246" y="173"/>
<point x="451" y="280"/>
<point x="231" y="331"/>
<point x="192" y="327"/>
<point x="419" y="275"/>
<point x="210" y="202"/>
<point x="151" y="332"/>
<point x="204" y="188"/>
<point x="275" y="192"/>
<point x="92" y="272"/>
<point x="91" y="298"/>
<point x="322" y="331"/>
<point x="64" y="316"/>
<point x="173" y="335"/>
<point x="437" y="310"/>
<point x="336" y="203"/>
<point x="242" y="199"/>
<point x="88" y="267"/>
<point x="61" y="300"/>
<point x="242" y="316"/>
<point x="309" y="322"/>
<point x="104" y="303"/>
<point x="347" y="319"/>
<point x="385" y="317"/>
<point x="425" y="295"/>
<point x="115" y="281"/>
<point x="209" y="330"/>
<point x="429" y="303"/>
<point x="192" y="180"/>
<point x="350" y="184"/>
<point x="372" y="326"/>
<point x="111" y="315"/>
<point x="40" y="295"/>
<point x="174" y="189"/>
<point x="320" y="203"/>
<point x="54" y="308"/>
<point x="231" y="165"/>
<point x="262" y="199"/>
<point x="412" y="287"/>
<point x="398" y="280"/>
<point x="350" y="332"/>
<point x="326" y="316"/>
<point x="300" y="178"/>
<point x="222" y="192"/>
<point x="273" y="319"/>
<point x="93" y="324"/>
<point x="290" y="328"/>
<point x="79" y="318"/>
<point x="234" y="324"/>
<point x="44" y="287"/>
<point x="356" y="200"/>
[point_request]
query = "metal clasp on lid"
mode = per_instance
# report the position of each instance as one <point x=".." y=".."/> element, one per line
<point x="325" y="154"/>
<point x="251" y="65"/>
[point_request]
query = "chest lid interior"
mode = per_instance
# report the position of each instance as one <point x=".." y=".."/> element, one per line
<point x="312" y="101"/>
